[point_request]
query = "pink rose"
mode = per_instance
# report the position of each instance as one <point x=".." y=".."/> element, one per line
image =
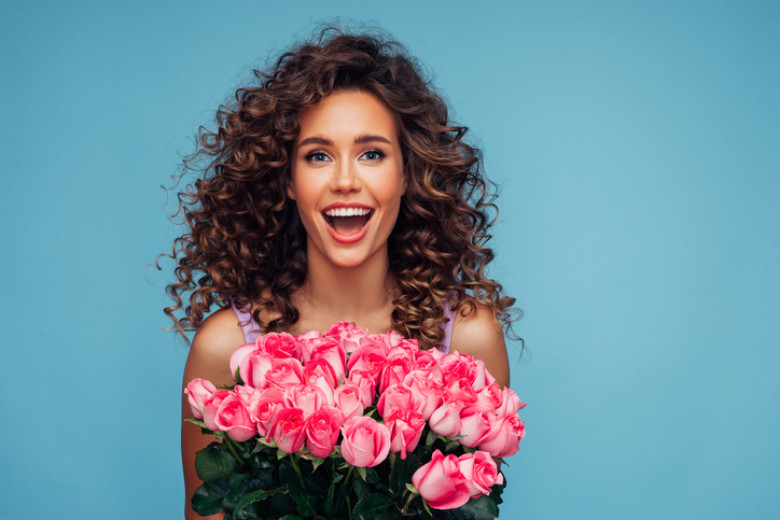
<point x="457" y="366"/>
<point x="316" y="379"/>
<point x="246" y="393"/>
<point x="510" y="404"/>
<point x="366" y="443"/>
<point x="441" y="483"/>
<point x="389" y="340"/>
<point x="348" y="334"/>
<point x="347" y="399"/>
<point x="285" y="372"/>
<point x="263" y="408"/>
<point x="481" y="375"/>
<point x="399" y="364"/>
<point x="425" y="360"/>
<point x="288" y="429"/>
<point x="232" y="417"/>
<point x="333" y="353"/>
<point x="406" y="427"/>
<point x="460" y="390"/>
<point x="370" y="359"/>
<point x="238" y="355"/>
<point x="367" y="385"/>
<point x="428" y="390"/>
<point x="278" y="345"/>
<point x="404" y="349"/>
<point x="306" y="343"/>
<point x="210" y="407"/>
<point x="397" y="397"/>
<point x="445" y="420"/>
<point x="198" y="390"/>
<point x="480" y="471"/>
<point x="490" y="397"/>
<point x="476" y="425"/>
<point x="308" y="398"/>
<point x="254" y="366"/>
<point x="506" y="438"/>
<point x="322" y="431"/>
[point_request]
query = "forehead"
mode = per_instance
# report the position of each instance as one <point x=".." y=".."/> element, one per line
<point x="348" y="113"/>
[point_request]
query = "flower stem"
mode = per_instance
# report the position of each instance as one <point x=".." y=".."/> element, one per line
<point x="408" y="502"/>
<point x="231" y="446"/>
<point x="294" y="464"/>
<point x="390" y="486"/>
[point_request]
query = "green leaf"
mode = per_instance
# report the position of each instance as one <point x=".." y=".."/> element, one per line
<point x="250" y="498"/>
<point x="287" y="474"/>
<point x="291" y="517"/>
<point x="235" y="478"/>
<point x="483" y="508"/>
<point x="411" y="488"/>
<point x="239" y="490"/>
<point x="427" y="508"/>
<point x="362" y="472"/>
<point x="197" y="423"/>
<point x="304" y="501"/>
<point x="282" y="503"/>
<point x="263" y="444"/>
<point x="207" y="499"/>
<point x="213" y="463"/>
<point x="316" y="462"/>
<point x="371" y="506"/>
<point x="280" y="454"/>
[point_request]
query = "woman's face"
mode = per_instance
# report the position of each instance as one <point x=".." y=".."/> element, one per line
<point x="347" y="178"/>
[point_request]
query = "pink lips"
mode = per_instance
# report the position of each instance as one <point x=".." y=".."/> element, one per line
<point x="354" y="237"/>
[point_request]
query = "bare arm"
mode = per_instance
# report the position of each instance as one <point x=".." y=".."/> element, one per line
<point x="481" y="335"/>
<point x="209" y="357"/>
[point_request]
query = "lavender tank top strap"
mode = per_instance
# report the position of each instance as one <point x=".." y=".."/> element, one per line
<point x="449" y="313"/>
<point x="248" y="324"/>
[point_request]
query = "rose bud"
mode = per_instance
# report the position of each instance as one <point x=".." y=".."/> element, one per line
<point x="233" y="418"/>
<point x="288" y="430"/>
<point x="366" y="443"/>
<point x="480" y="471"/>
<point x="198" y="391"/>
<point x="441" y="483"/>
<point x="322" y="431"/>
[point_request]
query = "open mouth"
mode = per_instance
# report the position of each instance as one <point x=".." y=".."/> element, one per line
<point x="347" y="221"/>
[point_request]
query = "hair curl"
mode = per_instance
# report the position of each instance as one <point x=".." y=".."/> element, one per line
<point x="245" y="240"/>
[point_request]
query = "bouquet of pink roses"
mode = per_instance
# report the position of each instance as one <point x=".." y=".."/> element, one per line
<point x="348" y="425"/>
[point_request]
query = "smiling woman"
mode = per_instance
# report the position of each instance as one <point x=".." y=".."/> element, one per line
<point x="347" y="180"/>
<point x="335" y="190"/>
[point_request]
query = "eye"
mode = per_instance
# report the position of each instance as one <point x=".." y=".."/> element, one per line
<point x="316" y="157"/>
<point x="373" y="155"/>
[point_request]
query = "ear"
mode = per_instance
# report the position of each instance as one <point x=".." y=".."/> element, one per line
<point x="290" y="192"/>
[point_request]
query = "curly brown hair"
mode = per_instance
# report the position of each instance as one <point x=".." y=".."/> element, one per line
<point x="245" y="242"/>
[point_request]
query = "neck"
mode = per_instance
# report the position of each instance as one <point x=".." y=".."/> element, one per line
<point x="361" y="294"/>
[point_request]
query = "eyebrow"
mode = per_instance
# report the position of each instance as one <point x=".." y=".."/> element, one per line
<point x="363" y="139"/>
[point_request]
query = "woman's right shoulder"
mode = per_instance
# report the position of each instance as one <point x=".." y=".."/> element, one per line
<point x="215" y="341"/>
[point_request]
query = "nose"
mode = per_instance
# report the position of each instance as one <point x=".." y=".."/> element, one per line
<point x="345" y="178"/>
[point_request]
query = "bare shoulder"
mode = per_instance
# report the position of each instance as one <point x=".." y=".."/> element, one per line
<point x="214" y="342"/>
<point x="481" y="335"/>
<point x="209" y="358"/>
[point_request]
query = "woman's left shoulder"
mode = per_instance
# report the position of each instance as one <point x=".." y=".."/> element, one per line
<point x="478" y="333"/>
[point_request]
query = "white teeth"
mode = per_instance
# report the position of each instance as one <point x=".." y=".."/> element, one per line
<point x="347" y="212"/>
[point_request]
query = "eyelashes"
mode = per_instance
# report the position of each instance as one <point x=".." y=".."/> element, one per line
<point x="316" y="156"/>
<point x="374" y="155"/>
<point x="320" y="156"/>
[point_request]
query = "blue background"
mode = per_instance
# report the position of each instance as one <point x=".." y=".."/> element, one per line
<point x="636" y="146"/>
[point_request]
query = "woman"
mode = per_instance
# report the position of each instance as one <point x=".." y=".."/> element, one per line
<point x="337" y="191"/>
